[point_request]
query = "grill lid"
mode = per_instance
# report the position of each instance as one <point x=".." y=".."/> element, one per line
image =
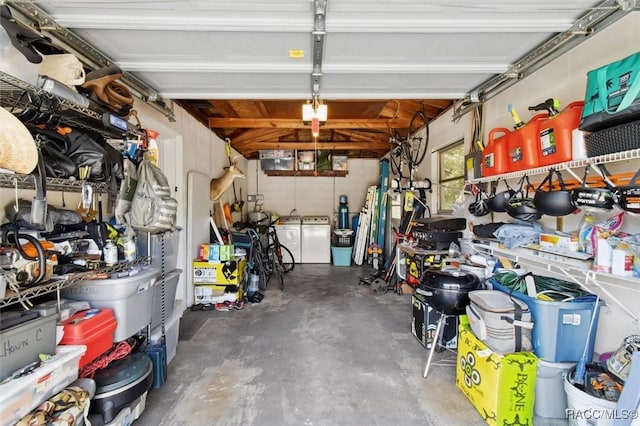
<point x="450" y="280"/>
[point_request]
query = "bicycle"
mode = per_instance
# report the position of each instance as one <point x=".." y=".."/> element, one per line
<point x="274" y="258"/>
<point x="257" y="260"/>
<point x="407" y="153"/>
<point x="279" y="257"/>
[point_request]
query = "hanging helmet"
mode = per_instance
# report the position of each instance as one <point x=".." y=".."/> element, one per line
<point x="521" y="206"/>
<point x="498" y="201"/>
<point x="479" y="206"/>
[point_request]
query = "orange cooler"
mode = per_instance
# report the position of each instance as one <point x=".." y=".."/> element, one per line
<point x="495" y="156"/>
<point x="555" y="135"/>
<point x="93" y="328"/>
<point x="524" y="145"/>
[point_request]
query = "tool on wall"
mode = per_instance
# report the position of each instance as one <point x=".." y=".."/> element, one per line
<point x="86" y="208"/>
<point x="39" y="203"/>
<point x="27" y="263"/>
<point x="551" y="105"/>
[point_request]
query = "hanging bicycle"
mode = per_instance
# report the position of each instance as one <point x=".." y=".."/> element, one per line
<point x="407" y="153"/>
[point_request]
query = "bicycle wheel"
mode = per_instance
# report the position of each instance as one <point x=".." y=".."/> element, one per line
<point x="287" y="257"/>
<point x="418" y="144"/>
<point x="395" y="152"/>
<point x="262" y="267"/>
<point x="396" y="162"/>
<point x="281" y="273"/>
<point x="268" y="268"/>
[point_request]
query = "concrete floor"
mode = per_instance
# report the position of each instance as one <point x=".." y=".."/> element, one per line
<point x="326" y="351"/>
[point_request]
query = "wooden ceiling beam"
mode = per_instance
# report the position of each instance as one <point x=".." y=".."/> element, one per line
<point x="262" y="108"/>
<point x="259" y="135"/>
<point x="330" y="146"/>
<point x="223" y="107"/>
<point x="441" y="104"/>
<point x="405" y="109"/>
<point x="362" y="136"/>
<point x="296" y="123"/>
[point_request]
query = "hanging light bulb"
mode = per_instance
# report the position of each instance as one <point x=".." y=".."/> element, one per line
<point x="315" y="127"/>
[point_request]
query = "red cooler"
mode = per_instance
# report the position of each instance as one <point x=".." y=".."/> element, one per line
<point x="93" y="328"/>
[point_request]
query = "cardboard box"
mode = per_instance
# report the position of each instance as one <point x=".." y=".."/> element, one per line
<point x="214" y="252"/>
<point x="228" y="272"/>
<point x="213" y="293"/>
<point x="209" y="252"/>
<point x="225" y="252"/>
<point x="502" y="388"/>
<point x="424" y="323"/>
<point x="559" y="241"/>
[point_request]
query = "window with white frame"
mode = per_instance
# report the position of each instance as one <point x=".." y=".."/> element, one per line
<point x="450" y="175"/>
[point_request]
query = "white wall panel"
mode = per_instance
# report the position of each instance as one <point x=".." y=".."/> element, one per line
<point x="313" y="195"/>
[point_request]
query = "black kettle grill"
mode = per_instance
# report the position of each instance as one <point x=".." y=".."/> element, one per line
<point x="448" y="291"/>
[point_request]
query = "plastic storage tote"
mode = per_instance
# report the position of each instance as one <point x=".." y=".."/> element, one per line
<point x="556" y="139"/>
<point x="560" y="329"/>
<point x="495" y="156"/>
<point x="170" y="284"/>
<point x="524" y="145"/>
<point x="172" y="331"/>
<point x="20" y="396"/>
<point x="130" y="297"/>
<point x="93" y="328"/>
<point x="171" y="246"/>
<point x="26" y="336"/>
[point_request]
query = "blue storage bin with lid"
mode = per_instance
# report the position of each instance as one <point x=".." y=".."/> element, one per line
<point x="560" y="329"/>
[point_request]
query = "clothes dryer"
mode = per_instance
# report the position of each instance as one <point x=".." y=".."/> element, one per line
<point x="316" y="239"/>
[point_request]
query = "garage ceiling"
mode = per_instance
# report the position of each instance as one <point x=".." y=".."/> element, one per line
<point x="245" y="67"/>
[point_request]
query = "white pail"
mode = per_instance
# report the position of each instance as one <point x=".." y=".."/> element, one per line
<point x="586" y="410"/>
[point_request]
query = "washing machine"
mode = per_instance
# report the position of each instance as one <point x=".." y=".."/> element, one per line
<point x="316" y="239"/>
<point x="289" y="234"/>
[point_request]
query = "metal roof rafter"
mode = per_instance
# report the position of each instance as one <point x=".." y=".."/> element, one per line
<point x="596" y="19"/>
<point x="71" y="42"/>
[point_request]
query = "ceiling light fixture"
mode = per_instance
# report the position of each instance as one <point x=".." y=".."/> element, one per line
<point x="315" y="112"/>
<point x="314" y="109"/>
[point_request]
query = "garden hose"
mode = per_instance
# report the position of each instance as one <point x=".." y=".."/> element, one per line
<point x="547" y="288"/>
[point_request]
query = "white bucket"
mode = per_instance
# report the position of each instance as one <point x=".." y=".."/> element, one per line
<point x="551" y="399"/>
<point x="586" y="410"/>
